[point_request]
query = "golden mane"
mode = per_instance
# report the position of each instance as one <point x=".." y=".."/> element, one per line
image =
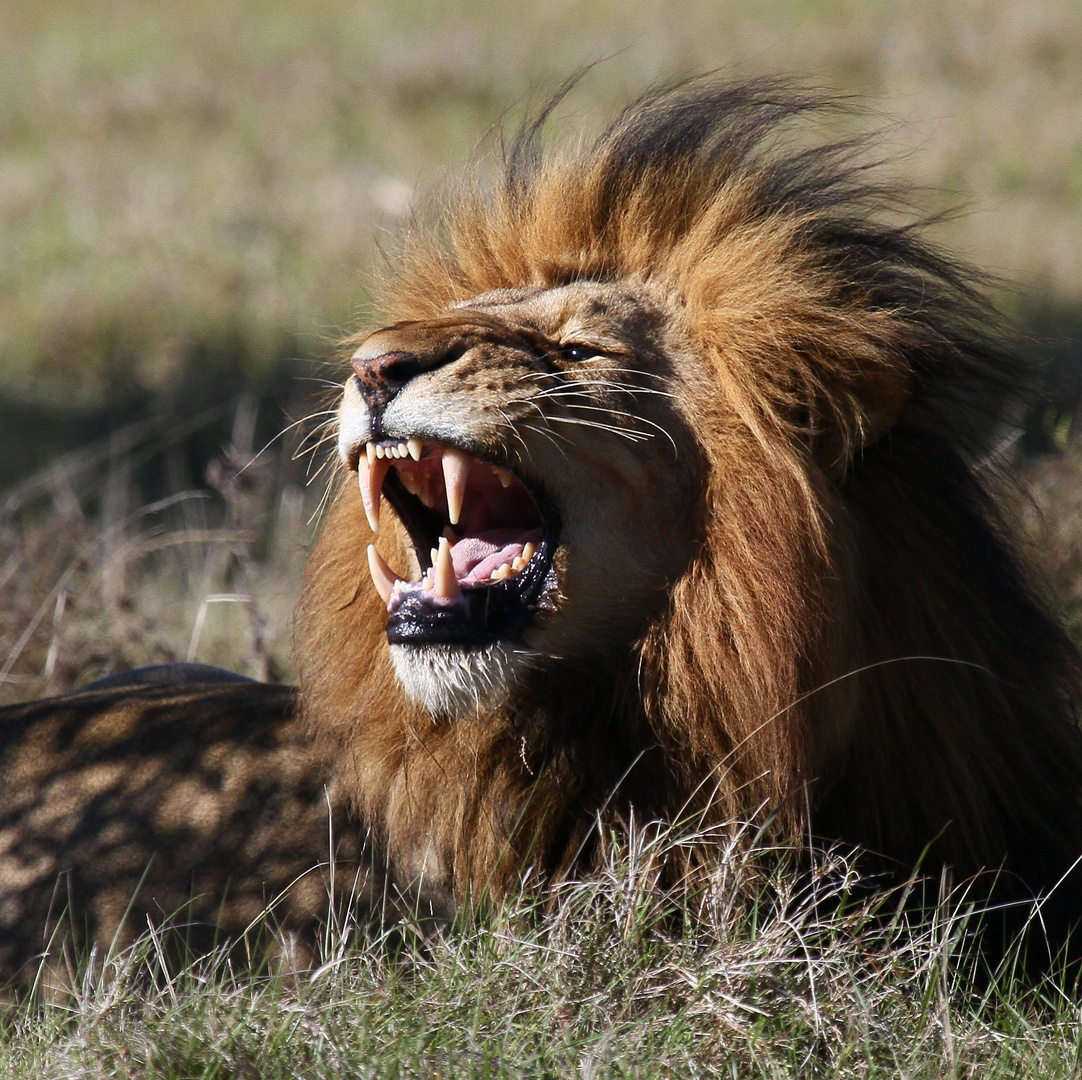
<point x="851" y="646"/>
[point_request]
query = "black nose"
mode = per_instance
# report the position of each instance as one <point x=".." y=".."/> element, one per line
<point x="381" y="377"/>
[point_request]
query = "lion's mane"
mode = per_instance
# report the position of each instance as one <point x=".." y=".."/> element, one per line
<point x="852" y="650"/>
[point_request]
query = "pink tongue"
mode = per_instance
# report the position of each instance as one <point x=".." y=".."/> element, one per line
<point x="475" y="557"/>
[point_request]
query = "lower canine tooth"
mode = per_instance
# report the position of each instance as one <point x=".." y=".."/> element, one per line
<point x="444" y="579"/>
<point x="382" y="576"/>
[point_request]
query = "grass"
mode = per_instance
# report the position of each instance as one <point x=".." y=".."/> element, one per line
<point x="608" y="978"/>
<point x="95" y="579"/>
<point x="182" y="178"/>
<point x="191" y="196"/>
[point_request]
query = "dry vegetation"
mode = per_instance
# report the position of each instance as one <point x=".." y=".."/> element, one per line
<point x="754" y="977"/>
<point x="191" y="194"/>
<point x="95" y="579"/>
<point x="202" y="175"/>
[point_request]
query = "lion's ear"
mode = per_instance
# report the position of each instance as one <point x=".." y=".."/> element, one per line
<point x="874" y="400"/>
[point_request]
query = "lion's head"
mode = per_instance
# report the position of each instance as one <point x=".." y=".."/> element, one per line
<point x="670" y="444"/>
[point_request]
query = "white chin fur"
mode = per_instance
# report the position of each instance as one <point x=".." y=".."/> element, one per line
<point x="451" y="680"/>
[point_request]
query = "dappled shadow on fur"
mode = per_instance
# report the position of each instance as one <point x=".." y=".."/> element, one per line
<point x="193" y="806"/>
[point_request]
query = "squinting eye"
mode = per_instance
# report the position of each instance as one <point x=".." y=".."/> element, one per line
<point x="577" y="352"/>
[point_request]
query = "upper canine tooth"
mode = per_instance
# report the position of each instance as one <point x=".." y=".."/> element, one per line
<point x="370" y="476"/>
<point x="456" y="468"/>
<point x="382" y="576"/>
<point x="414" y="447"/>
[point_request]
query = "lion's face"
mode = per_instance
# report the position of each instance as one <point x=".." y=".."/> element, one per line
<point x="532" y="447"/>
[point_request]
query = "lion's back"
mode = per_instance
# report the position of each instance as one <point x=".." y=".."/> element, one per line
<point x="122" y="806"/>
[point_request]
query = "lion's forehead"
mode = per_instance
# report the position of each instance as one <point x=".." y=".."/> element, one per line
<point x="605" y="314"/>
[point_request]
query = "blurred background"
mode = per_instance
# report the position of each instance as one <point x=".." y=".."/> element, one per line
<point x="193" y="194"/>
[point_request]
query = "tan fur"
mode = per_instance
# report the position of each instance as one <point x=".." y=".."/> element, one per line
<point x="195" y="807"/>
<point x="790" y="601"/>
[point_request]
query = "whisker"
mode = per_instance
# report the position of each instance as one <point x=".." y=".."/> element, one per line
<point x="631" y="436"/>
<point x="620" y="388"/>
<point x="627" y="416"/>
<point x="552" y="436"/>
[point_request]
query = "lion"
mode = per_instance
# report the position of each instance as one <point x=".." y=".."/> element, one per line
<point x="663" y="497"/>
<point x="671" y="458"/>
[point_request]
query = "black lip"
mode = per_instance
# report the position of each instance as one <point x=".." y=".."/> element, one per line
<point x="486" y="613"/>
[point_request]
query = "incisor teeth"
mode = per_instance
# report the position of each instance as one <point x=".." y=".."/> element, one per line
<point x="370" y="477"/>
<point x="444" y="580"/>
<point x="435" y="554"/>
<point x="382" y="576"/>
<point x="414" y="447"/>
<point x="456" y="467"/>
<point x="394" y="451"/>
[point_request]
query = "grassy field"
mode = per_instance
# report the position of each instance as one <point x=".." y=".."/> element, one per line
<point x="192" y="198"/>
<point x="753" y="978"/>
<point x="183" y="181"/>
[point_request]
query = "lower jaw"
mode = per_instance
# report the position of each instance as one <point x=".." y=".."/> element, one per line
<point x="452" y="681"/>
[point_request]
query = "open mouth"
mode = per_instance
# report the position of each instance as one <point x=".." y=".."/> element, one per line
<point x="485" y="541"/>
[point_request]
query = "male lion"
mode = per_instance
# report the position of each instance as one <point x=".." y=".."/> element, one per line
<point x="667" y="464"/>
